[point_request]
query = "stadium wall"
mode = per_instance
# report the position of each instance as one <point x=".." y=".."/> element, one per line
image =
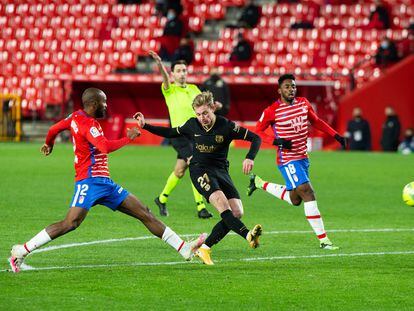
<point x="394" y="88"/>
<point x="125" y="98"/>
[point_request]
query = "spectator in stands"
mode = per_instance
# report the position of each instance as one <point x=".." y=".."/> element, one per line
<point x="173" y="32"/>
<point x="390" y="130"/>
<point x="387" y="53"/>
<point x="221" y="91"/>
<point x="242" y="52"/>
<point x="176" y="6"/>
<point x="161" y="7"/>
<point x="185" y="50"/>
<point x="407" y="145"/>
<point x="250" y="15"/>
<point x="380" y="17"/>
<point x="358" y="132"/>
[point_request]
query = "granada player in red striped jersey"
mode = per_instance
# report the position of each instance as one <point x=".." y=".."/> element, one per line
<point x="92" y="181"/>
<point x="289" y="119"/>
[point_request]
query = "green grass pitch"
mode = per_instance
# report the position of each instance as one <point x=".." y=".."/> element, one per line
<point x="359" y="195"/>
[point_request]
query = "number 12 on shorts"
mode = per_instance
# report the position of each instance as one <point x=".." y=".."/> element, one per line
<point x="81" y="192"/>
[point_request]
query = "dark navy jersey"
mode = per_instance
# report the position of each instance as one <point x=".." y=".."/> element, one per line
<point x="210" y="145"/>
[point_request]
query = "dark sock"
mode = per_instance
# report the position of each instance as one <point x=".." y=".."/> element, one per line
<point x="219" y="231"/>
<point x="234" y="223"/>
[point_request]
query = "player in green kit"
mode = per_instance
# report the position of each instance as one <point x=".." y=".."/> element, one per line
<point x="179" y="96"/>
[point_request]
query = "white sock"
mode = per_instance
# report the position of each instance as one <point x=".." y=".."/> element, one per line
<point x="279" y="191"/>
<point x="315" y="220"/>
<point x="38" y="240"/>
<point x="172" y="238"/>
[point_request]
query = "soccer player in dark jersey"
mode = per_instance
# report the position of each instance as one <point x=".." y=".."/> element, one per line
<point x="288" y="118"/>
<point x="211" y="136"/>
<point x="92" y="181"/>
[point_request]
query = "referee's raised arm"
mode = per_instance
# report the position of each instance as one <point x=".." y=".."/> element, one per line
<point x="165" y="77"/>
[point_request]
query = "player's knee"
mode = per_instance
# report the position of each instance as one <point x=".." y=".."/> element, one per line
<point x="296" y="201"/>
<point x="238" y="213"/>
<point x="70" y="225"/>
<point x="179" y="173"/>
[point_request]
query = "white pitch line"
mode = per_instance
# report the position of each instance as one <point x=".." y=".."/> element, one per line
<point x="62" y="246"/>
<point x="146" y="237"/>
<point x="170" y="263"/>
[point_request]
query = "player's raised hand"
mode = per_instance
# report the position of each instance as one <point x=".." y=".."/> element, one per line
<point x="133" y="133"/>
<point x="155" y="56"/>
<point x="247" y="166"/>
<point x="140" y="119"/>
<point x="46" y="149"/>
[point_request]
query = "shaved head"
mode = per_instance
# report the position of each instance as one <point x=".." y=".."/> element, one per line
<point x="94" y="101"/>
<point x="92" y="95"/>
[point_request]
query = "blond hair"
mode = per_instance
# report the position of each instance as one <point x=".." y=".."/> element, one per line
<point x="205" y="98"/>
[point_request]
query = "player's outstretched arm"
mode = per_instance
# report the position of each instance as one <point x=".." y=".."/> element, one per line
<point x="157" y="130"/>
<point x="54" y="130"/>
<point x="165" y="77"/>
<point x="97" y="139"/>
<point x="326" y="128"/>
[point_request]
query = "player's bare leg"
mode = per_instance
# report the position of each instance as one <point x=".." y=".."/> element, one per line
<point x="305" y="192"/>
<point x="132" y="206"/>
<point x="73" y="219"/>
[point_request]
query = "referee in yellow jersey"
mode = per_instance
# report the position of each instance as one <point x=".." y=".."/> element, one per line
<point x="179" y="96"/>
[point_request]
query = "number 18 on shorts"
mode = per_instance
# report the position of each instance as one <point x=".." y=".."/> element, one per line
<point x="295" y="173"/>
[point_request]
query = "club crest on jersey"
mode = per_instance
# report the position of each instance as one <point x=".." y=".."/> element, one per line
<point x="219" y="139"/>
<point x="94" y="132"/>
<point x="297" y="123"/>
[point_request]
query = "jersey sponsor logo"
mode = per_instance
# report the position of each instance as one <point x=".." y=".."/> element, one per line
<point x="94" y="132"/>
<point x="74" y="126"/>
<point x="205" y="149"/>
<point x="219" y="139"/>
<point x="297" y="123"/>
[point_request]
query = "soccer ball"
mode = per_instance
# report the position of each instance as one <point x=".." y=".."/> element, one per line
<point x="408" y="194"/>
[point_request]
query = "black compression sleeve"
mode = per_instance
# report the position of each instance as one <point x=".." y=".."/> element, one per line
<point x="254" y="146"/>
<point x="162" y="131"/>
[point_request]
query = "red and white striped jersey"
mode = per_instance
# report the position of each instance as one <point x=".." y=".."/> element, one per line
<point x="89" y="144"/>
<point x="291" y="122"/>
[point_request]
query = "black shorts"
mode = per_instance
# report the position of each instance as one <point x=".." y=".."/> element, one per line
<point x="183" y="147"/>
<point x="207" y="180"/>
